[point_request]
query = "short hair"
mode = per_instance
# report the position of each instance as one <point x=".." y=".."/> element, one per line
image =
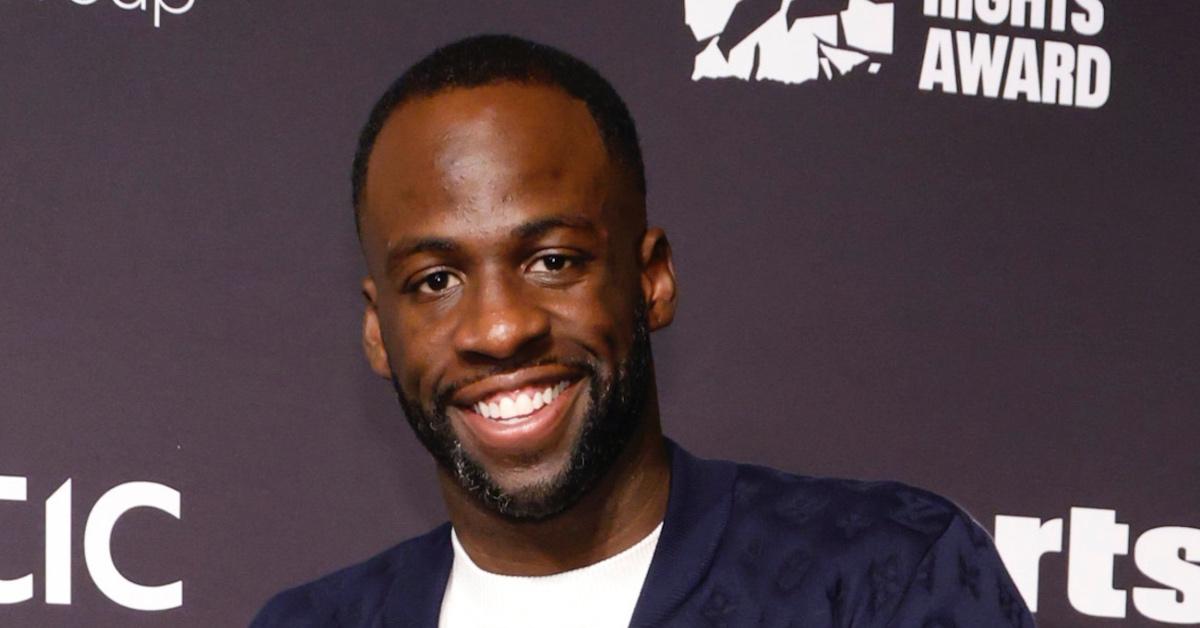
<point x="487" y="59"/>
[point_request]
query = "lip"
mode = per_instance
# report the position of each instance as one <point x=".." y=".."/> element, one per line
<point x="533" y="376"/>
<point x="532" y="433"/>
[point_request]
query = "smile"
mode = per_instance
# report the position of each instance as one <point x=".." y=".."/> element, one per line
<point x="519" y="413"/>
<point x="515" y="404"/>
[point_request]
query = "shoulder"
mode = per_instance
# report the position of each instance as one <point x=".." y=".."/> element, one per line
<point x="850" y="509"/>
<point x="839" y="527"/>
<point x="350" y="595"/>
<point x="903" y="555"/>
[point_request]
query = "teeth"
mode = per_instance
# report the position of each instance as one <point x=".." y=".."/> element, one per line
<point x="507" y="407"/>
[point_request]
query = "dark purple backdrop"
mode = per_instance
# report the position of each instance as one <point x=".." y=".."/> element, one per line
<point x="996" y="300"/>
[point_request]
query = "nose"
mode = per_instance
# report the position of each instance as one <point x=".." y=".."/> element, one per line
<point x="500" y="322"/>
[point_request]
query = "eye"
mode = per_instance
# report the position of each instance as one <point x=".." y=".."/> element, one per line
<point x="437" y="282"/>
<point x="552" y="263"/>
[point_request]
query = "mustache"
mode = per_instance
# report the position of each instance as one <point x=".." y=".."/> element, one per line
<point x="447" y="391"/>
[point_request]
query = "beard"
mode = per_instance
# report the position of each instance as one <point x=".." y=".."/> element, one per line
<point x="614" y="414"/>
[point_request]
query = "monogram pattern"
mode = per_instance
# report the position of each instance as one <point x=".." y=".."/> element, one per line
<point x="741" y="547"/>
<point x="820" y="553"/>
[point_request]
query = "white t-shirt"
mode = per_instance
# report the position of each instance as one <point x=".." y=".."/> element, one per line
<point x="601" y="595"/>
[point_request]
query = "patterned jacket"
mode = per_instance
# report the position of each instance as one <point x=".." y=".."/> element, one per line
<point x="741" y="546"/>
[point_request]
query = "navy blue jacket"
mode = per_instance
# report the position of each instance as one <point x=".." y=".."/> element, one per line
<point x="741" y="545"/>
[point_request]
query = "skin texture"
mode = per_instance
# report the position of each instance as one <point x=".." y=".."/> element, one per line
<point x="465" y="297"/>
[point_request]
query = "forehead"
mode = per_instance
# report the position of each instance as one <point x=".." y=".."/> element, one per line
<point x="480" y="154"/>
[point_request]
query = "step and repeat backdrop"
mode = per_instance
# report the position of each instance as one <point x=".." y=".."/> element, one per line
<point x="950" y="242"/>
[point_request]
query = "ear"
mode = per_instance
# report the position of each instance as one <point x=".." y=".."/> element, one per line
<point x="658" y="279"/>
<point x="372" y="336"/>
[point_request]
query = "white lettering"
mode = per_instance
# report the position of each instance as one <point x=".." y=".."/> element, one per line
<point x="160" y="7"/>
<point x="58" y="545"/>
<point x="96" y="545"/>
<point x="938" y="66"/>
<point x="1090" y="20"/>
<point x="1022" y="75"/>
<point x="1096" y="538"/>
<point x="950" y="9"/>
<point x="97" y="551"/>
<point x="981" y="61"/>
<point x="12" y="488"/>
<point x="992" y="12"/>
<point x="1058" y="15"/>
<point x="1093" y="62"/>
<point x="163" y="5"/>
<point x="966" y="9"/>
<point x="1167" y="555"/>
<point x="1163" y="554"/>
<point x="1036" y="10"/>
<point x="1021" y="542"/>
<point x="975" y="64"/>
<point x="1058" y="73"/>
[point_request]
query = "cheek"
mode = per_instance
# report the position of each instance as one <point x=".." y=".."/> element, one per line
<point x="413" y="345"/>
<point x="597" y="316"/>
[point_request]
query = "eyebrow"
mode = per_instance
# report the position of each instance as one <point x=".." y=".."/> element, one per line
<point x="537" y="228"/>
<point x="411" y="246"/>
<point x="408" y="247"/>
<point x="526" y="231"/>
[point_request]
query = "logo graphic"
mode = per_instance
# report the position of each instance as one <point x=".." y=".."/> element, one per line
<point x="789" y="41"/>
<point x="170" y="7"/>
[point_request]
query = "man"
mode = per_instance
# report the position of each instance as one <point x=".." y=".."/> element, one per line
<point x="512" y="286"/>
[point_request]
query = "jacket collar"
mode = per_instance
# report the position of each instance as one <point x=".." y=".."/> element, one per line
<point x="698" y="508"/>
<point x="420" y="575"/>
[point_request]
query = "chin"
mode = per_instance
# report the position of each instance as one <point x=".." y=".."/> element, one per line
<point x="526" y="481"/>
<point x="537" y="495"/>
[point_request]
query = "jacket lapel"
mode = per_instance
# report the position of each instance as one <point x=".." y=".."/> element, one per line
<point x="415" y="597"/>
<point x="698" y="508"/>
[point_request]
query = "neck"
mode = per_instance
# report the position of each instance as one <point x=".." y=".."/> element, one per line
<point x="624" y="506"/>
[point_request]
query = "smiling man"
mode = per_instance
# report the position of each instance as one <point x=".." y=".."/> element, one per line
<point x="512" y="287"/>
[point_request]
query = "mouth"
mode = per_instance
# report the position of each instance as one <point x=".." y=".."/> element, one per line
<point x="511" y="405"/>
<point x="524" y="415"/>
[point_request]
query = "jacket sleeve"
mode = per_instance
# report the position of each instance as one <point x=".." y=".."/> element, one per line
<point x="962" y="583"/>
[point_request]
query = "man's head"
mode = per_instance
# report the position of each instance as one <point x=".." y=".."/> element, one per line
<point x="512" y="279"/>
<point x="490" y="59"/>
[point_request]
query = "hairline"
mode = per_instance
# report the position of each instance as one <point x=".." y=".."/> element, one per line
<point x="626" y="172"/>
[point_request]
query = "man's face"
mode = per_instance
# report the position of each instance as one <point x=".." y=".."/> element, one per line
<point x="509" y="298"/>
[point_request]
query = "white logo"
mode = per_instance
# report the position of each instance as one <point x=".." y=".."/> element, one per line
<point x="793" y="41"/>
<point x="785" y="40"/>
